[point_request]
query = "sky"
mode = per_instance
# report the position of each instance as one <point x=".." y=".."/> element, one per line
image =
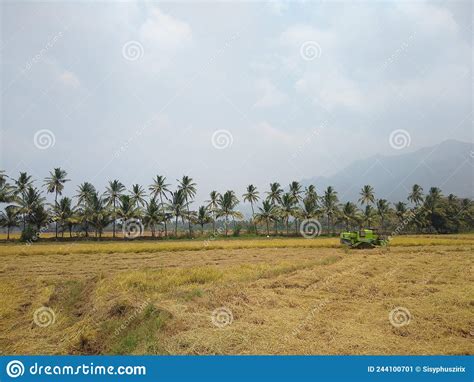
<point x="229" y="93"/>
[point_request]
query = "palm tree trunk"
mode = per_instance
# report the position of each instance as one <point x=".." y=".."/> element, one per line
<point x="176" y="227"/>
<point x="113" y="235"/>
<point x="296" y="226"/>
<point x="163" y="210"/>
<point x="268" y="229"/>
<point x="56" y="204"/>
<point x="189" y="219"/>
<point x="8" y="232"/>
<point x="253" y="219"/>
<point x="287" y="227"/>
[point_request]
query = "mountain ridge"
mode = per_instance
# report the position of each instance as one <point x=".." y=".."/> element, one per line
<point x="448" y="165"/>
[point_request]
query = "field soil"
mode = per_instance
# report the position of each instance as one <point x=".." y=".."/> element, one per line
<point x="293" y="296"/>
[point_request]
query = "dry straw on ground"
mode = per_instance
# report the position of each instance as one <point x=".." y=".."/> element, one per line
<point x="290" y="296"/>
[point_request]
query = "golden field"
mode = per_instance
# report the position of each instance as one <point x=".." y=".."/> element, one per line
<point x="285" y="296"/>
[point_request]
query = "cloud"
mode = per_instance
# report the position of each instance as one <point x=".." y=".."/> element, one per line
<point x="164" y="31"/>
<point x="69" y="79"/>
<point x="272" y="96"/>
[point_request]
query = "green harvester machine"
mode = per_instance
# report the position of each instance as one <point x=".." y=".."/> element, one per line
<point x="365" y="238"/>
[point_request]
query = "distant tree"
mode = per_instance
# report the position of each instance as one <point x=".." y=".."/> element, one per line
<point x="296" y="192"/>
<point x="349" y="212"/>
<point x="113" y="192"/>
<point x="187" y="185"/>
<point x="203" y="217"/>
<point x="267" y="214"/>
<point x="55" y="184"/>
<point x="329" y="203"/>
<point x="252" y="196"/>
<point x="227" y="203"/>
<point x="416" y="195"/>
<point x="137" y="195"/>
<point x="383" y="208"/>
<point x="367" y="195"/>
<point x="213" y="207"/>
<point x="9" y="219"/>
<point x="177" y="206"/>
<point x="160" y="189"/>
<point x="288" y="209"/>
<point x="152" y="216"/>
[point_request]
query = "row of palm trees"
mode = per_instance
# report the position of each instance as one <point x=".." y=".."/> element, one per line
<point x="160" y="206"/>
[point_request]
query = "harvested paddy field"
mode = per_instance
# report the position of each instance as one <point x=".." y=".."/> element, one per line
<point x="267" y="296"/>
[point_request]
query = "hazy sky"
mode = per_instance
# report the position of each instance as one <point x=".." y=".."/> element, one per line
<point x="229" y="93"/>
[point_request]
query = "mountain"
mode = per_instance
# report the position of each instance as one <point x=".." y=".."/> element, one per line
<point x="448" y="165"/>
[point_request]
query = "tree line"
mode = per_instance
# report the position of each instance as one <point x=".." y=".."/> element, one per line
<point x="275" y="211"/>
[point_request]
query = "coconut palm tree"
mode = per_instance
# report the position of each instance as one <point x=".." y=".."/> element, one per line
<point x="383" y="207"/>
<point x="7" y="191"/>
<point x="203" y="217"/>
<point x="63" y="213"/>
<point x="9" y="219"/>
<point x="213" y="207"/>
<point x="159" y="189"/>
<point x="227" y="203"/>
<point x="267" y="213"/>
<point x="274" y="197"/>
<point x="84" y="195"/>
<point x="21" y="185"/>
<point x="177" y="206"/>
<point x="112" y="194"/>
<point x="329" y="203"/>
<point x="99" y="213"/>
<point x="252" y="196"/>
<point x="296" y="192"/>
<point x="28" y="203"/>
<point x="55" y="184"/>
<point x="310" y="193"/>
<point x="309" y="208"/>
<point x="416" y="195"/>
<point x="288" y="209"/>
<point x="349" y="214"/>
<point x="187" y="185"/>
<point x="152" y="216"/>
<point x="137" y="195"/>
<point x="369" y="214"/>
<point x="127" y="210"/>
<point x="400" y="211"/>
<point x="367" y="195"/>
